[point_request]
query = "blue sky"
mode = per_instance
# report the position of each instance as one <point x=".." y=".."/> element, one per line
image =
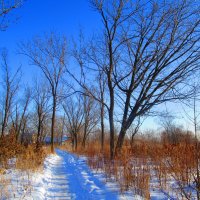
<point x="37" y="17"/>
<point x="62" y="16"/>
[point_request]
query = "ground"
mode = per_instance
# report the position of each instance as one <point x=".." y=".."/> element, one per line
<point x="67" y="176"/>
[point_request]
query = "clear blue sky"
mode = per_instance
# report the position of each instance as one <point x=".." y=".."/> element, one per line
<point x="37" y="17"/>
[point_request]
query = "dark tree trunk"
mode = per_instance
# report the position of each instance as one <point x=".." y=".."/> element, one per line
<point x="75" y="142"/>
<point x="112" y="129"/>
<point x="38" y="135"/>
<point x="112" y="101"/>
<point x="84" y="137"/>
<point x="62" y="132"/>
<point x="123" y="126"/>
<point x="72" y="142"/>
<point x="85" y="131"/>
<point x="7" y="107"/>
<point x="102" y="127"/>
<point x="4" y="124"/>
<point x="120" y="141"/>
<point x="20" y="127"/>
<point x="53" y="123"/>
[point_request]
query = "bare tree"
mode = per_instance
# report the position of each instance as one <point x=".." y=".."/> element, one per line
<point x="102" y="87"/>
<point x="6" y="6"/>
<point x="134" y="129"/>
<point x="172" y="132"/>
<point x="21" y="115"/>
<point x="49" y="54"/>
<point x="41" y="102"/>
<point x="10" y="88"/>
<point x="60" y="128"/>
<point x="146" y="50"/>
<point x="91" y="117"/>
<point x="193" y="117"/>
<point x="73" y="109"/>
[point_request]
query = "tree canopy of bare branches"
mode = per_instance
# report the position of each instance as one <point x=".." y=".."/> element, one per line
<point x="74" y="112"/>
<point x="41" y="104"/>
<point x="49" y="54"/>
<point x="91" y="117"/>
<point x="6" y="6"/>
<point x="146" y="51"/>
<point x="10" y="88"/>
<point x="20" y="121"/>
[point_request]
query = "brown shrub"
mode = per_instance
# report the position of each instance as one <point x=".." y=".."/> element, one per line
<point x="27" y="157"/>
<point x="133" y="167"/>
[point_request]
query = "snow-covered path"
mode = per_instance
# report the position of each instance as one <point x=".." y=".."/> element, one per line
<point x="65" y="176"/>
<point x="55" y="181"/>
<point x="68" y="177"/>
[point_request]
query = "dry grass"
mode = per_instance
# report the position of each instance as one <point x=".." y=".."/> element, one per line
<point x="9" y="148"/>
<point x="31" y="159"/>
<point x="25" y="159"/>
<point x="132" y="169"/>
<point x="129" y="172"/>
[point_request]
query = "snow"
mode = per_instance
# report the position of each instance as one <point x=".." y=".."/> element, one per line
<point x="82" y="182"/>
<point x="67" y="176"/>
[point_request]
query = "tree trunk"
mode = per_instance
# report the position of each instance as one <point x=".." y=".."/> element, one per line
<point x="5" y="120"/>
<point x="61" y="138"/>
<point x="4" y="125"/>
<point x="85" y="134"/>
<point x="84" y="140"/>
<point x="53" y="124"/>
<point x="123" y="126"/>
<point x="112" y="101"/>
<point x="120" y="141"/>
<point x="102" y="127"/>
<point x="75" y="141"/>
<point x="38" y="135"/>
<point x="112" y="130"/>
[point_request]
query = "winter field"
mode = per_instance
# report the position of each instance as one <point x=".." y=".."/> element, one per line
<point x="68" y="176"/>
<point x="65" y="176"/>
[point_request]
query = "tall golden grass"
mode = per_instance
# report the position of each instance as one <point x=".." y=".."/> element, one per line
<point x="133" y="168"/>
<point x="25" y="158"/>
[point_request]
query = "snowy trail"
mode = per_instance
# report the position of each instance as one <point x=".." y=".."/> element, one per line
<point x="65" y="177"/>
<point x="68" y="177"/>
<point x="78" y="180"/>
<point x="55" y="182"/>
